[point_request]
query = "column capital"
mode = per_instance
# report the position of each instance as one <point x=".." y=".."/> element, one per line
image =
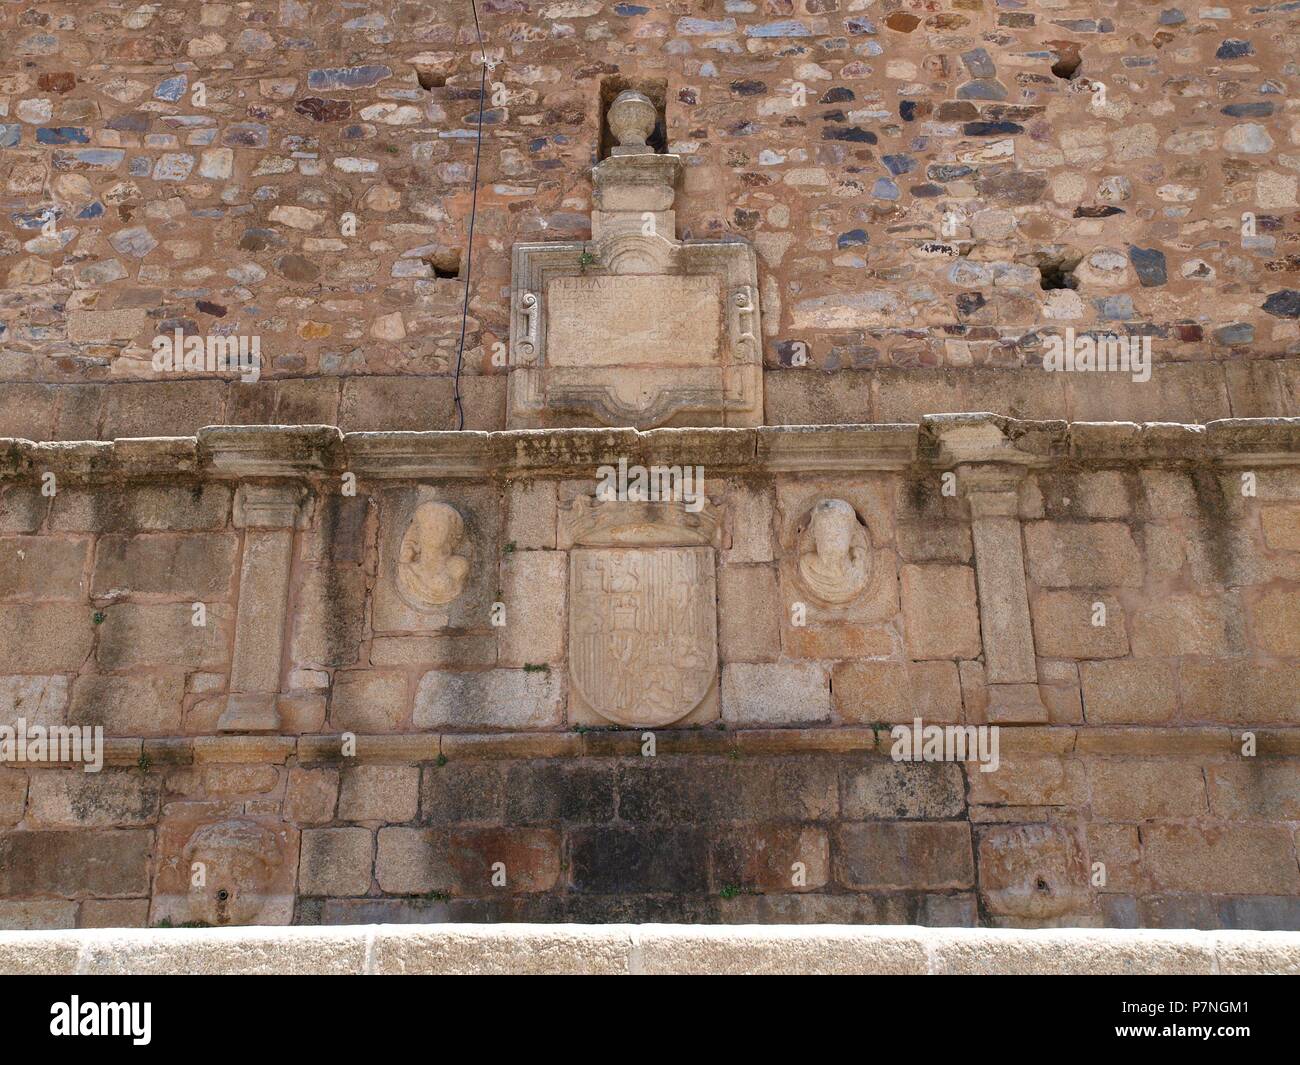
<point x="983" y="478"/>
<point x="270" y="506"/>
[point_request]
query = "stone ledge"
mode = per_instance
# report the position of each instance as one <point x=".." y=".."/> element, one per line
<point x="940" y="441"/>
<point x="407" y="747"/>
<point x="646" y="949"/>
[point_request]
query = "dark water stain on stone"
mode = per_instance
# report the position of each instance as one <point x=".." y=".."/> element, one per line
<point x="1214" y="522"/>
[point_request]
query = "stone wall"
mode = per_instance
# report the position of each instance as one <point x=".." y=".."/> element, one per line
<point x="922" y="182"/>
<point x="1121" y="600"/>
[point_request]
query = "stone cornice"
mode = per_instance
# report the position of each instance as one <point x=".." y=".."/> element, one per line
<point x="939" y="441"/>
<point x="270" y="450"/>
<point x="796" y="448"/>
<point x="419" y="455"/>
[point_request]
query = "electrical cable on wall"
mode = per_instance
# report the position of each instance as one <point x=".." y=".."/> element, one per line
<point x="473" y="211"/>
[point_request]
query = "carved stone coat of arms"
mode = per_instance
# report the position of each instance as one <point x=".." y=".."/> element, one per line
<point x="643" y="646"/>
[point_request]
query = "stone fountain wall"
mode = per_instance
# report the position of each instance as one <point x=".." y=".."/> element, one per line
<point x="363" y="728"/>
<point x="351" y="667"/>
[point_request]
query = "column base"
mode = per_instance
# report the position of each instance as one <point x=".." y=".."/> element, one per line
<point x="250" y="712"/>
<point x="1016" y="704"/>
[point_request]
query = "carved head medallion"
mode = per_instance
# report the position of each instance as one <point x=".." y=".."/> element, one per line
<point x="834" y="553"/>
<point x="429" y="571"/>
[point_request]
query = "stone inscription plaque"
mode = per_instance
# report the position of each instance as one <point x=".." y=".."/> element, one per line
<point x="646" y="319"/>
<point x="643" y="644"/>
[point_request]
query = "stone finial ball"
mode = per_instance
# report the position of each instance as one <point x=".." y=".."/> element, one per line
<point x="632" y="118"/>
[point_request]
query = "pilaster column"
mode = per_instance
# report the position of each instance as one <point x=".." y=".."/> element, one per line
<point x="990" y="463"/>
<point x="269" y="515"/>
<point x="1010" y="667"/>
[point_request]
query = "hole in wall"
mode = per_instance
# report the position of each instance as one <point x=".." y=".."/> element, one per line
<point x="655" y="88"/>
<point x="1057" y="271"/>
<point x="444" y="262"/>
<point x="1068" y="60"/>
<point x="434" y="69"/>
<point x="1067" y="68"/>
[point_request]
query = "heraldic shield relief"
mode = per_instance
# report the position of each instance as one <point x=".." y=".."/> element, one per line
<point x="643" y="647"/>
